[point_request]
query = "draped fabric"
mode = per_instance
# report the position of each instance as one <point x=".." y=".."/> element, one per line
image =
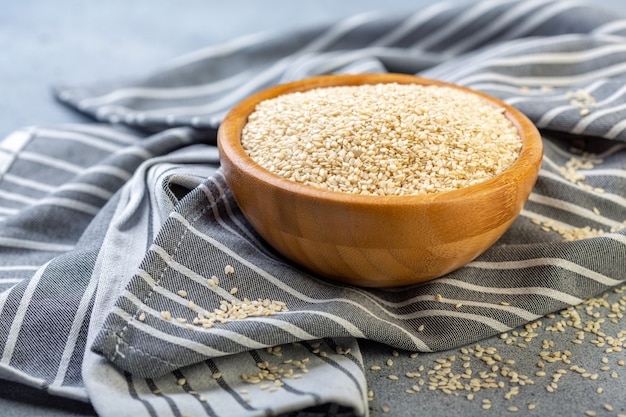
<point x="111" y="232"/>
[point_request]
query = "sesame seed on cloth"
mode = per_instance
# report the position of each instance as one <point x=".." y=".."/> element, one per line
<point x="130" y="279"/>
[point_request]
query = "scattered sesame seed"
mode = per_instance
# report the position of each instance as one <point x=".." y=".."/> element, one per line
<point x="166" y="315"/>
<point x="182" y="293"/>
<point x="142" y="316"/>
<point x="228" y="269"/>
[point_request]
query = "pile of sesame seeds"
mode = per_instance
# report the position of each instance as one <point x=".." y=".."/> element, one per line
<point x="573" y="172"/>
<point x="383" y="139"/>
<point x="582" y="99"/>
<point x="270" y="376"/>
<point x="228" y="309"/>
<point x="574" y="167"/>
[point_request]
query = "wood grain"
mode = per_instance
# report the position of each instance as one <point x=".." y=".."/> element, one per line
<point x="376" y="241"/>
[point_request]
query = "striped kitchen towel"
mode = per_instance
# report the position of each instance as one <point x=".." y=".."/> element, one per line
<point x="117" y="247"/>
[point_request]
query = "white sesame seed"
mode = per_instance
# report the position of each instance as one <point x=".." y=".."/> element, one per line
<point x="427" y="139"/>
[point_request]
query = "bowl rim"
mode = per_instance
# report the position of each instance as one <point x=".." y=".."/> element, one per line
<point x="229" y="143"/>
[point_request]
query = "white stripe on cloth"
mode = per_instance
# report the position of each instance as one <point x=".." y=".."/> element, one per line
<point x="35" y="245"/>
<point x="103" y="131"/>
<point x="538" y="18"/>
<point x="574" y="209"/>
<point x="556" y="262"/>
<point x="472" y="14"/>
<point x="28" y="183"/>
<point x="82" y="313"/>
<point x="18" y="318"/>
<point x="89" y="140"/>
<point x="543" y="291"/>
<point x="168" y="93"/>
<point x="492" y="28"/>
<point x="615" y="70"/>
<point x="50" y="161"/>
<point x="414" y="21"/>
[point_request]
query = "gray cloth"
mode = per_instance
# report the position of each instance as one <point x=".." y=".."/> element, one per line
<point x="116" y="223"/>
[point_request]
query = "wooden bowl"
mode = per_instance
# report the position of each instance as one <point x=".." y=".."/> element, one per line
<point x="375" y="241"/>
